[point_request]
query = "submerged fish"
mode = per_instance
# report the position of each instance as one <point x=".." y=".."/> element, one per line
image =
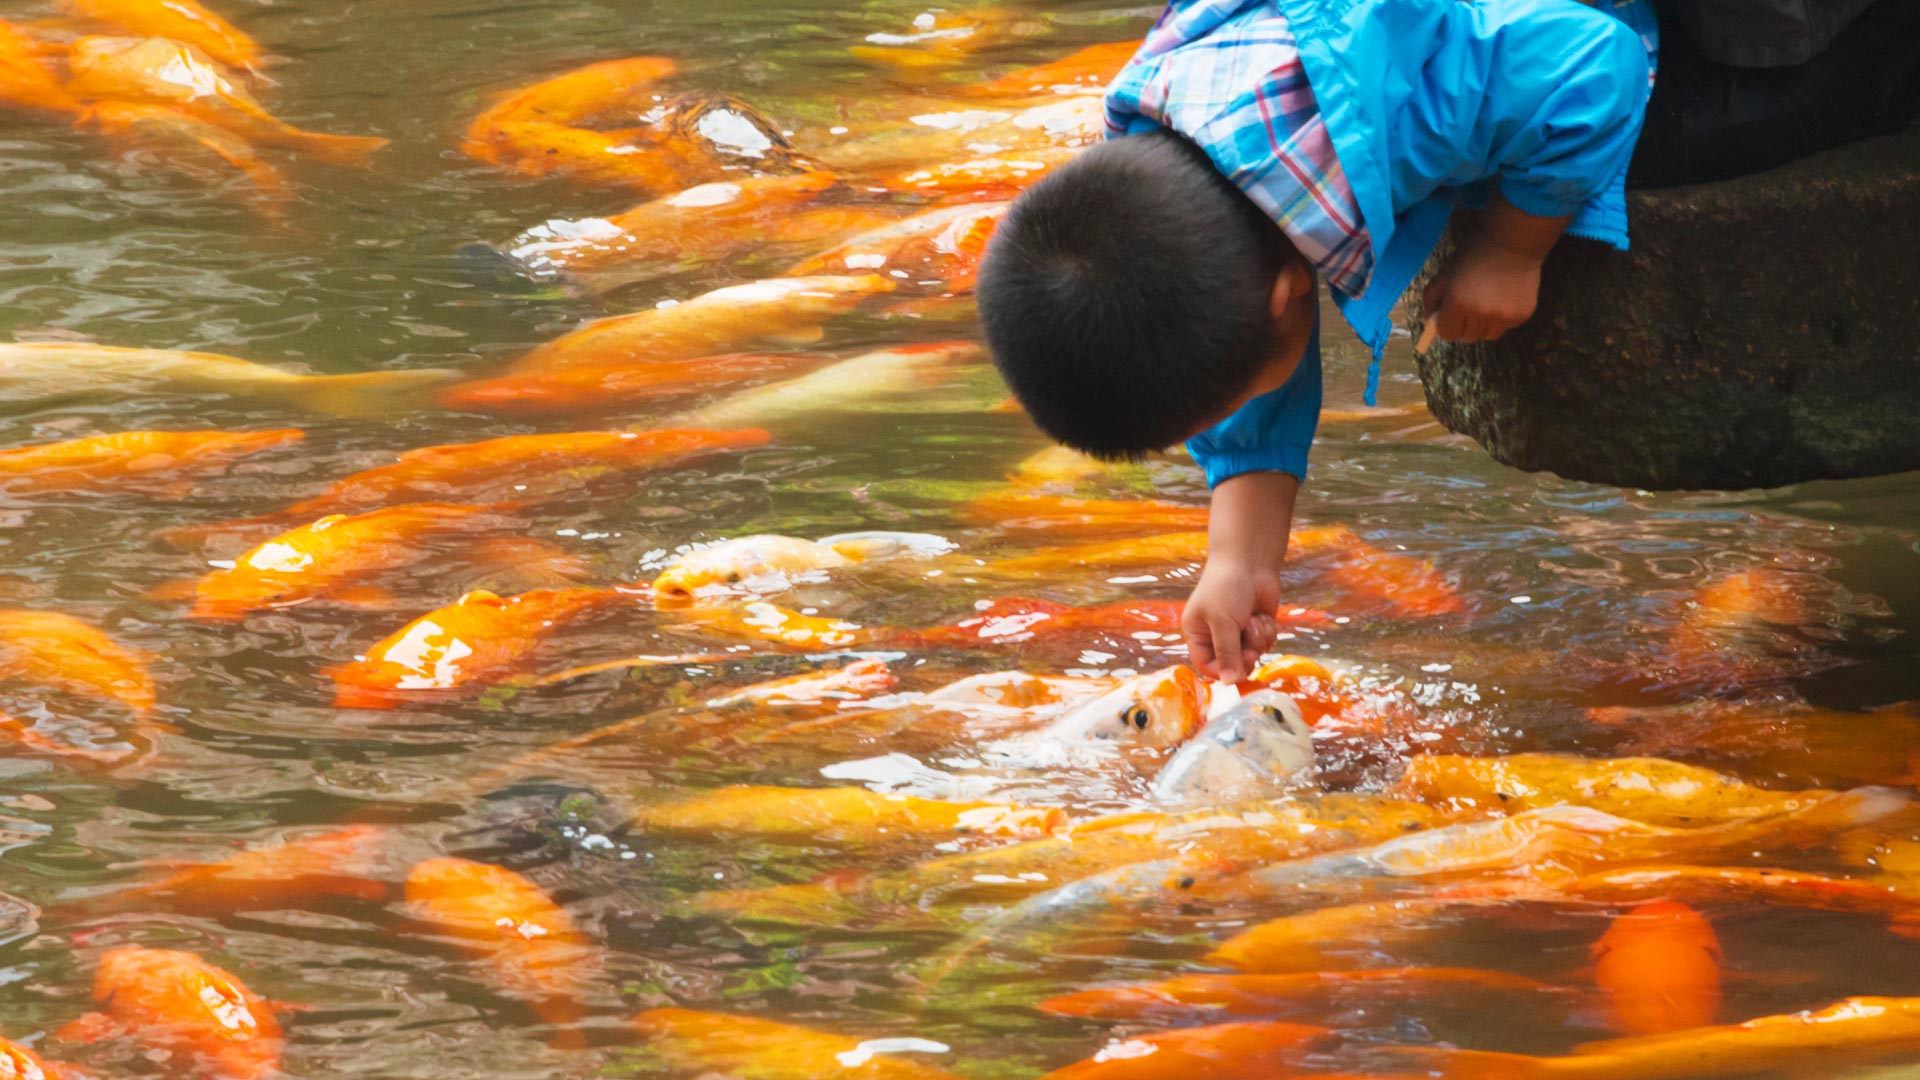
<point x="19" y="1063"/>
<point x="577" y="95"/>
<point x="1085" y="72"/>
<point x="600" y="389"/>
<point x="36" y="370"/>
<point x="760" y="1049"/>
<point x="59" y="650"/>
<point x="25" y="82"/>
<point x="1401" y="585"/>
<point x="129" y="459"/>
<point x="1257" y="749"/>
<point x="478" y="639"/>
<point x="1168" y="550"/>
<point x="1659" y="966"/>
<point x="1249" y="1050"/>
<point x="741" y="559"/>
<point x="862" y="678"/>
<point x="941" y="246"/>
<point x="995" y="174"/>
<point x="185" y="21"/>
<point x="158" y="71"/>
<point x="170" y="127"/>
<point x="941" y="39"/>
<point x="770" y="622"/>
<point x="340" y="862"/>
<point x="788" y="310"/>
<point x="1651" y="790"/>
<point x="178" y="1004"/>
<point x="1020" y="510"/>
<point x="842" y="813"/>
<point x="325" y="559"/>
<point x="896" y="372"/>
<point x="527" y="944"/>
<point x="1311" y="992"/>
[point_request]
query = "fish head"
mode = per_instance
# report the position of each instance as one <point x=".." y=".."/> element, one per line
<point x="732" y="562"/>
<point x="1255" y="750"/>
<point x="1157" y="710"/>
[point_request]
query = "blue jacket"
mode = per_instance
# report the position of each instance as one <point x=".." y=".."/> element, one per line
<point x="1430" y="103"/>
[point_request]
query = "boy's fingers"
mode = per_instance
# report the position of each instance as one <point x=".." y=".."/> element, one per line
<point x="1226" y="648"/>
<point x="1199" y="649"/>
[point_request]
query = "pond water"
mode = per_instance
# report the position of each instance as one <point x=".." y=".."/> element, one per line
<point x="1585" y="622"/>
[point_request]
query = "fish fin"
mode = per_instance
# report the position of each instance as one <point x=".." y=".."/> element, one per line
<point x="369" y="393"/>
<point x="91" y="1027"/>
<point x="183" y="589"/>
<point x="365" y="596"/>
<point x="340" y="149"/>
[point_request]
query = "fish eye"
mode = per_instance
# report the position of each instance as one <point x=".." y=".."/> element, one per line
<point x="1136" y="715"/>
<point x="733" y="578"/>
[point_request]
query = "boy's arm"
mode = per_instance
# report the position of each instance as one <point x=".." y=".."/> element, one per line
<point x="1229" y="620"/>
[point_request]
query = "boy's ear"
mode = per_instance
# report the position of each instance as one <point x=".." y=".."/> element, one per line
<point x="1293" y="281"/>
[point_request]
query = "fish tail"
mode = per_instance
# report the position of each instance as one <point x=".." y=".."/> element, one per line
<point x="368" y="393"/>
<point x="338" y="149"/>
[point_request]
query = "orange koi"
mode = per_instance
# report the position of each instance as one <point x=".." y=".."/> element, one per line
<point x="788" y="309"/>
<point x="944" y="132"/>
<point x="60" y="650"/>
<point x="1056" y="515"/>
<point x="1719" y="629"/>
<point x="165" y="124"/>
<point x="1250" y="1050"/>
<point x="1085" y="72"/>
<point x="1659" y="966"/>
<point x="177" y="1003"/>
<point x="940" y="246"/>
<point x="1278" y="995"/>
<point x="1057" y="466"/>
<point x="19" y="1063"/>
<point x="941" y="39"/>
<point x="1773" y="885"/>
<point x="1334" y="937"/>
<point x="844" y="813"/>
<point x="324" y="559"/>
<point x="750" y="1047"/>
<point x="1168" y="550"/>
<point x="998" y="174"/>
<point x="185" y="21"/>
<point x="574" y="96"/>
<point x="862" y="678"/>
<point x="156" y="71"/>
<point x="1016" y="690"/>
<point x="1850" y="1031"/>
<point x="1651" y="790"/>
<point x="339" y="862"/>
<point x="1319" y="691"/>
<point x="770" y="622"/>
<point x="478" y="639"/>
<point x="901" y="371"/>
<point x="1019" y="619"/>
<point x="27" y="83"/>
<point x="506" y="467"/>
<point x="527" y="943"/>
<point x="1405" y="587"/>
<point x="580" y="389"/>
<point x="106" y="462"/>
<point x="1160" y="709"/>
<point x="534" y="130"/>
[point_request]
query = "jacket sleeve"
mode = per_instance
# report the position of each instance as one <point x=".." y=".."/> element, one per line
<point x="1271" y="433"/>
<point x="1567" y="88"/>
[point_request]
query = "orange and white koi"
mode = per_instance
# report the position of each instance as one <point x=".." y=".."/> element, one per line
<point x="731" y="562"/>
<point x="1651" y="790"/>
<point x="53" y="649"/>
<point x="1250" y="1050"/>
<point x="940" y="246"/>
<point x="748" y="1046"/>
<point x="770" y="622"/>
<point x="842" y="813"/>
<point x="860" y="679"/>
<point x="177" y="1003"/>
<point x="901" y="371"/>
<point x="185" y="21"/>
<point x="19" y="1063"/>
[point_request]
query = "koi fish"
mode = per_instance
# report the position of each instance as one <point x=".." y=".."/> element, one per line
<point x="598" y="389"/>
<point x="477" y="639"/>
<point x="844" y="813"/>
<point x="59" y="650"/>
<point x="1164" y="550"/>
<point x="1729" y="621"/>
<point x="1318" y="691"/>
<point x="1085" y="72"/>
<point x="177" y="1003"/>
<point x="789" y="310"/>
<point x="1158" y="710"/>
<point x="577" y="95"/>
<point x="38" y="370"/>
<point x="509" y="466"/>
<point x="633" y="158"/>
<point x="1250" y="1050"/>
<point x="1850" y="1031"/>
<point x="860" y="679"/>
<point x="1772" y="885"/>
<point x="748" y="1046"/>
<point x="1335" y="937"/>
<point x="184" y="21"/>
<point x="1016" y="690"/>
<point x="1280" y="995"/>
<point x="1257" y="749"/>
<point x="901" y="371"/>
<point x="339" y="862"/>
<point x="1659" y="966"/>
<point x="1057" y="466"/>
<point x="984" y="702"/>
<point x="323" y="559"/>
<point x="527" y="944"/>
<point x="1010" y="620"/>
<point x="1796" y="742"/>
<point x="943" y="39"/>
<point x="1403" y="586"/>
<point x="996" y="174"/>
<point x="25" y="82"/>
<point x="947" y="133"/>
<point x="157" y="71"/>
<point x="166" y="125"/>
<point x="19" y="1063"/>
<point x="941" y="246"/>
<point x="1651" y="790"/>
<point x="107" y="462"/>
<point x="770" y="622"/>
<point x="731" y="562"/>
<point x="1056" y="515"/>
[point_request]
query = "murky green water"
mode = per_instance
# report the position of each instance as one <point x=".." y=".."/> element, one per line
<point x="1574" y="590"/>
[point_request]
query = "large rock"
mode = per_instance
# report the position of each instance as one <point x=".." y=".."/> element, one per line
<point x="1762" y="331"/>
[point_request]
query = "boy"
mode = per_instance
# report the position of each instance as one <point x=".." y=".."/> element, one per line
<point x="1161" y="286"/>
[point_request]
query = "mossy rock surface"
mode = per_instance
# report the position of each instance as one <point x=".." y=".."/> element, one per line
<point x="1763" y="331"/>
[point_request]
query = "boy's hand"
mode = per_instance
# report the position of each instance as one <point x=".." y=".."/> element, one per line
<point x="1229" y="619"/>
<point x="1492" y="282"/>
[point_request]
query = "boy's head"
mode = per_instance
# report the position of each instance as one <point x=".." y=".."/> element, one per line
<point x="1135" y="297"/>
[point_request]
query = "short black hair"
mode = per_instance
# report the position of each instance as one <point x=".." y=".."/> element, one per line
<point x="1125" y="297"/>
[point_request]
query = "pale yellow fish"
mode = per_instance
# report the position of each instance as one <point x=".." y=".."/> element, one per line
<point x="31" y="371"/>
